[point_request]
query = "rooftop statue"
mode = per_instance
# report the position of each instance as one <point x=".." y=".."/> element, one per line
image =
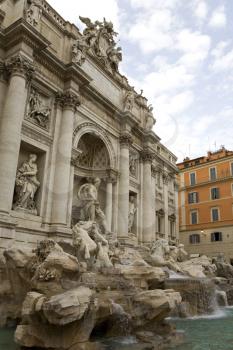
<point x="98" y="40"/>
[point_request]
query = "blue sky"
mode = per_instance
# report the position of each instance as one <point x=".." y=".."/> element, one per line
<point x="180" y="52"/>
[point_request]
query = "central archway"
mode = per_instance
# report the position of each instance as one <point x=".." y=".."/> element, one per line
<point x="93" y="153"/>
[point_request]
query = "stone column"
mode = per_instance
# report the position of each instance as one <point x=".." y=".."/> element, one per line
<point x="148" y="220"/>
<point x="153" y="186"/>
<point x="108" y="207"/>
<point x="123" y="189"/>
<point x="20" y="70"/>
<point x="165" y="194"/>
<point x="68" y="102"/>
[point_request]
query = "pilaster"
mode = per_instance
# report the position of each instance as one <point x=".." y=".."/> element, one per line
<point x="67" y="102"/>
<point x="123" y="190"/>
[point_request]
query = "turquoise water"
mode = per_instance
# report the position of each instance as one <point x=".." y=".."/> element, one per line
<point x="7" y="339"/>
<point x="212" y="333"/>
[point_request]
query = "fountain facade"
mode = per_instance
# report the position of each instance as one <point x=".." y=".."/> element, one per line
<point x="79" y="119"/>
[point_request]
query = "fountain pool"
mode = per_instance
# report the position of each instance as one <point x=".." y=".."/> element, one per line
<point x="201" y="333"/>
<point x="208" y="332"/>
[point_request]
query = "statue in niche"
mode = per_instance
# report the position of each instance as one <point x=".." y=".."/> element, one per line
<point x="129" y="100"/>
<point x="37" y="112"/>
<point x="132" y="212"/>
<point x="149" y="119"/>
<point x="79" y="51"/>
<point x="133" y="165"/>
<point x="26" y="185"/>
<point x="91" y="211"/>
<point x="34" y="12"/>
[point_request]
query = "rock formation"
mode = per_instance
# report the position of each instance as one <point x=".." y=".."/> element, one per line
<point x="99" y="288"/>
<point x="70" y="296"/>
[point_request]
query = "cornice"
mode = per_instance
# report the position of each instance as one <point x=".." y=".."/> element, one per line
<point x="36" y="134"/>
<point x="21" y="31"/>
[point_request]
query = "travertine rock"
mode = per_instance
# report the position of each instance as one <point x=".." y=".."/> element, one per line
<point x="198" y="267"/>
<point x="67" y="307"/>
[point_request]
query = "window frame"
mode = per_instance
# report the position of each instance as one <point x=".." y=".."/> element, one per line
<point x="191" y="212"/>
<point x="196" y="197"/>
<point x="195" y="235"/>
<point x="212" y="188"/>
<point x="216" y="175"/>
<point x="212" y="209"/>
<point x="195" y="176"/>
<point x="220" y="236"/>
<point x="231" y="168"/>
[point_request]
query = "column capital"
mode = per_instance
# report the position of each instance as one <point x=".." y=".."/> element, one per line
<point x="165" y="178"/>
<point x="126" y="139"/>
<point x="68" y="99"/>
<point x="112" y="176"/>
<point x="147" y="155"/>
<point x="20" y="65"/>
<point x="154" y="170"/>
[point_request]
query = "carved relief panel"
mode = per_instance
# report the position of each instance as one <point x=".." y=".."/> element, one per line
<point x="38" y="110"/>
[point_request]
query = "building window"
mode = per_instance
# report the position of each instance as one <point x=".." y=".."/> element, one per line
<point x="213" y="175"/>
<point x="215" y="193"/>
<point x="193" y="216"/>
<point x="216" y="236"/>
<point x="231" y="169"/>
<point x="192" y="178"/>
<point x="194" y="238"/>
<point x="215" y="214"/>
<point x="193" y="197"/>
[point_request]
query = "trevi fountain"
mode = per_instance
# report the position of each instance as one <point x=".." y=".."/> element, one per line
<point x="90" y="256"/>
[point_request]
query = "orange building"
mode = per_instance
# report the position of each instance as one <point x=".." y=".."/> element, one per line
<point x="206" y="204"/>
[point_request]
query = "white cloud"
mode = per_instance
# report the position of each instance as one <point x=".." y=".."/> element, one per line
<point x="152" y="32"/>
<point x="223" y="63"/>
<point x="219" y="49"/>
<point x="152" y="4"/>
<point x="200" y="10"/>
<point x="170" y="78"/>
<point x="174" y="104"/>
<point x="218" y="18"/>
<point x="191" y="41"/>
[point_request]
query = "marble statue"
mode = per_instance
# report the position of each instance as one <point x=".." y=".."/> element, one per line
<point x="99" y="41"/>
<point x="133" y="165"/>
<point x="132" y="212"/>
<point x="149" y="119"/>
<point x="115" y="57"/>
<point x="79" y="51"/>
<point x="34" y="12"/>
<point x="129" y="100"/>
<point x="26" y="185"/>
<point x="91" y="211"/>
<point x="37" y="111"/>
<point x="164" y="255"/>
<point x="91" y="244"/>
